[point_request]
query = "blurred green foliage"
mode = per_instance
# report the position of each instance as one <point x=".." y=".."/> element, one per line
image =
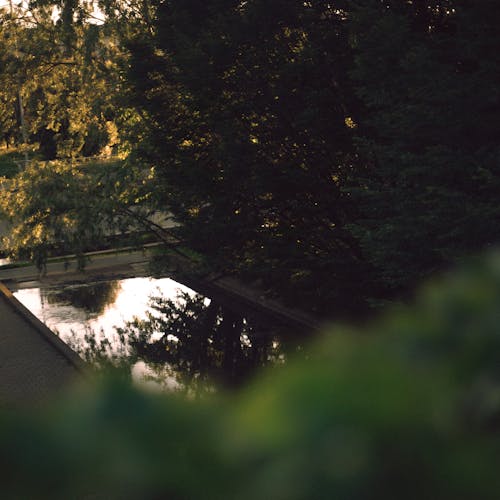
<point x="407" y="408"/>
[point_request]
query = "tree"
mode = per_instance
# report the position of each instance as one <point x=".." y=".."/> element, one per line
<point x="250" y="115"/>
<point x="72" y="86"/>
<point x="324" y="151"/>
<point x="67" y="77"/>
<point x="427" y="73"/>
<point x="62" y="207"/>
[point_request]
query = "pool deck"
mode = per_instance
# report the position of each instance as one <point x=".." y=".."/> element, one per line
<point x="35" y="365"/>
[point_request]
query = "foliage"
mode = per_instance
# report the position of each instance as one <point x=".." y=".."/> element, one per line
<point x="405" y="408"/>
<point x="69" y="207"/>
<point x="332" y="154"/>
<point x="336" y="154"/>
<point x="106" y="355"/>
<point x="62" y="80"/>
<point x="247" y="107"/>
<point x="8" y="163"/>
<point x="427" y="73"/>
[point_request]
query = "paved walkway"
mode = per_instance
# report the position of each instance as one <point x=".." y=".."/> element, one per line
<point x="34" y="363"/>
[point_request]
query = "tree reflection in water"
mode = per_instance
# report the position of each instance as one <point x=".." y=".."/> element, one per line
<point x="93" y="298"/>
<point x="201" y="341"/>
<point x="186" y="342"/>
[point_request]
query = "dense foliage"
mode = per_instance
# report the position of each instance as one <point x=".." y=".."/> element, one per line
<point x="252" y="138"/>
<point x="332" y="153"/>
<point x="58" y="83"/>
<point x="407" y="408"/>
<point x="337" y="152"/>
<point x="428" y="75"/>
<point x="66" y="207"/>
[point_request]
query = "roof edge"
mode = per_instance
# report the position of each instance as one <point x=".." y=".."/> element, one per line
<point x="47" y="334"/>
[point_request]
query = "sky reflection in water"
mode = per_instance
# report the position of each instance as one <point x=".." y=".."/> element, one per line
<point x="75" y="310"/>
<point x="131" y="300"/>
<point x="189" y="341"/>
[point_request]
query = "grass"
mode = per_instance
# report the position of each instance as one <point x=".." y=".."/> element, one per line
<point x="10" y="159"/>
<point x="8" y="165"/>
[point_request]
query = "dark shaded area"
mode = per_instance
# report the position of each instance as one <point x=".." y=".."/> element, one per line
<point x="250" y="143"/>
<point x="337" y="153"/>
<point x="8" y="165"/>
<point x="48" y="145"/>
<point x="428" y="74"/>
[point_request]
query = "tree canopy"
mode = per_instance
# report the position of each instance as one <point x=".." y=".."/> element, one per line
<point x="331" y="153"/>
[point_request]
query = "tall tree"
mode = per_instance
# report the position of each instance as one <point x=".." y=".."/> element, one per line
<point x="428" y="74"/>
<point x="251" y="133"/>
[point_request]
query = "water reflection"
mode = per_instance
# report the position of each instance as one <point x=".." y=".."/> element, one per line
<point x="62" y="308"/>
<point x="161" y="331"/>
<point x="201" y="341"/>
<point x="93" y="298"/>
